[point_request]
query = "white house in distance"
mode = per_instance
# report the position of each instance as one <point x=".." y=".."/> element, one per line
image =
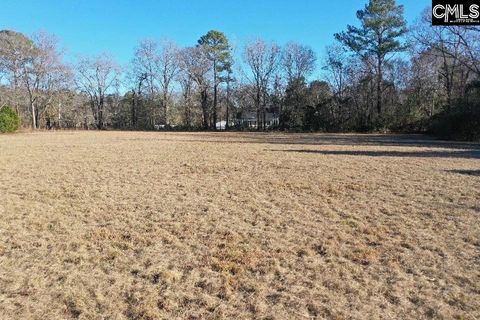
<point x="221" y="125"/>
<point x="249" y="120"/>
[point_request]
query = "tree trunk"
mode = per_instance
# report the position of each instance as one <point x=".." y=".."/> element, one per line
<point x="85" y="118"/>
<point x="264" y="120"/>
<point x="59" y="116"/>
<point x="215" y="85"/>
<point x="100" y="114"/>
<point x="204" y="109"/>
<point x="228" y="103"/>
<point x="34" y="115"/>
<point x="133" y="111"/>
<point x="258" y="119"/>
<point x="264" y="111"/>
<point x="258" y="109"/>
<point x="165" y="107"/>
<point x="215" y="107"/>
<point x="379" y="87"/>
<point x="226" y="116"/>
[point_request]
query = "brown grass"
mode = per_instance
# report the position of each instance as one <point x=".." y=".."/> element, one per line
<point x="124" y="225"/>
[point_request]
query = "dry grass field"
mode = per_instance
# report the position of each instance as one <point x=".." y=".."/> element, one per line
<point x="132" y="225"/>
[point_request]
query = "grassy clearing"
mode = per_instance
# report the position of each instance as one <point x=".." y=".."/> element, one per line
<point x="125" y="225"/>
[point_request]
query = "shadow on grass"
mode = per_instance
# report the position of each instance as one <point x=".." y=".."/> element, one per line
<point x="465" y="154"/>
<point x="475" y="173"/>
<point x="394" y="140"/>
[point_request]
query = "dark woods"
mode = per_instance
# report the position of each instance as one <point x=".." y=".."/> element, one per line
<point x="381" y="75"/>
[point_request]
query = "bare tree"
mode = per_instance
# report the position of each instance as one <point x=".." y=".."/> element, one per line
<point x="187" y="87"/>
<point x="136" y="82"/>
<point x="335" y="66"/>
<point x="298" y="61"/>
<point x="446" y="48"/>
<point x="98" y="77"/>
<point x="145" y="70"/>
<point x="145" y="63"/>
<point x="262" y="60"/>
<point x="470" y="42"/>
<point x="168" y="66"/>
<point x="44" y="75"/>
<point x="196" y="64"/>
<point x="14" y="48"/>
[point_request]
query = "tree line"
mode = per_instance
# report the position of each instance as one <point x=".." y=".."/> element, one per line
<point x="380" y="75"/>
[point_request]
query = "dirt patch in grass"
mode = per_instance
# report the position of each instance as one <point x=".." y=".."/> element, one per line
<point x="125" y="225"/>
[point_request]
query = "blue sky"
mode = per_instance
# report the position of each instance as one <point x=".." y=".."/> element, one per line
<point x="115" y="26"/>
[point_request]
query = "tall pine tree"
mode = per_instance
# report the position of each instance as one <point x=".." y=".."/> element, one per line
<point x="382" y="26"/>
<point x="218" y="51"/>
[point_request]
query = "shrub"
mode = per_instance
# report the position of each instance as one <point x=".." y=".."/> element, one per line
<point x="9" y="120"/>
<point x="462" y="124"/>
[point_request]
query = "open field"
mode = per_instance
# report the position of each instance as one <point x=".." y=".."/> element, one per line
<point x="131" y="225"/>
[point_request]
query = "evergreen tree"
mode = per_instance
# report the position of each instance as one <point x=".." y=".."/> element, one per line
<point x="218" y="51"/>
<point x="382" y="26"/>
